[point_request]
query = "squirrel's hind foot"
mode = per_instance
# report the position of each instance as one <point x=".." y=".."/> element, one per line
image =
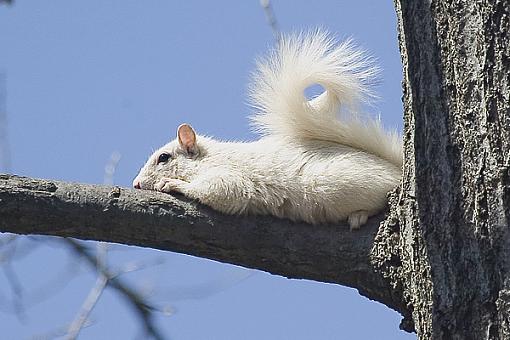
<point x="357" y="219"/>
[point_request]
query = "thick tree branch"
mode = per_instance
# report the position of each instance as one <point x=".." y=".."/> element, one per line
<point x="324" y="253"/>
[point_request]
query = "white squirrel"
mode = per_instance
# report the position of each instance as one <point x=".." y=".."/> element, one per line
<point x="309" y="165"/>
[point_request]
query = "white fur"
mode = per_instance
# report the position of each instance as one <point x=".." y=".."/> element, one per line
<point x="309" y="166"/>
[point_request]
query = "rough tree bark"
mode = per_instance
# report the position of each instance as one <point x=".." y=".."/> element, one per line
<point x="447" y="241"/>
<point x="441" y="258"/>
<point x="151" y="219"/>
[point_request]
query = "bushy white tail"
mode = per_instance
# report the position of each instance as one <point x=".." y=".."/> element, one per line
<point x="345" y="73"/>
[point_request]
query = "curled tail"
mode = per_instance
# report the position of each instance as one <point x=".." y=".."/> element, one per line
<point x="345" y="73"/>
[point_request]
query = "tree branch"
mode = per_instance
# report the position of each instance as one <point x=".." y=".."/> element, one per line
<point x="326" y="253"/>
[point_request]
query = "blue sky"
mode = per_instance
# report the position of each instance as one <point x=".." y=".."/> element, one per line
<point x="88" y="78"/>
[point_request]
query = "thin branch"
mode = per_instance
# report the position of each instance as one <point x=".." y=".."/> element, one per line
<point x="53" y="286"/>
<point x="5" y="151"/>
<point x="81" y="319"/>
<point x="94" y="294"/>
<point x="14" y="248"/>
<point x="57" y="332"/>
<point x="136" y="301"/>
<point x="12" y="278"/>
<point x="203" y="290"/>
<point x="111" y="167"/>
<point x="271" y="18"/>
<point x="130" y="267"/>
<point x="24" y="247"/>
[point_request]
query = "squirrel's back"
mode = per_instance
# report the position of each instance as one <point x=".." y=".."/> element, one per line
<point x="312" y="180"/>
<point x="345" y="73"/>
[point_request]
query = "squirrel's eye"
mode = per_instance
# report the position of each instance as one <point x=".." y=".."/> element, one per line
<point x="164" y="157"/>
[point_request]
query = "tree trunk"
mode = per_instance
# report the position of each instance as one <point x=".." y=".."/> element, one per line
<point x="447" y="240"/>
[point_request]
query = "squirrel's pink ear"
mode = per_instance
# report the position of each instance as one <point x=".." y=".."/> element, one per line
<point x="187" y="138"/>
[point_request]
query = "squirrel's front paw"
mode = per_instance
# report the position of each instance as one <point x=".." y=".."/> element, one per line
<point x="170" y="185"/>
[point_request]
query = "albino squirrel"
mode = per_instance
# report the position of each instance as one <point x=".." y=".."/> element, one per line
<point x="319" y="160"/>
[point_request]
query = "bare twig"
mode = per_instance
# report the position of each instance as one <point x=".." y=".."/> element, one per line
<point x="111" y="167"/>
<point x="23" y="248"/>
<point x="142" y="308"/>
<point x="271" y="18"/>
<point x="14" y="248"/>
<point x="5" y="154"/>
<point x="12" y="279"/>
<point x="130" y="267"/>
<point x="81" y="319"/>
<point x="204" y="290"/>
<point x="57" y="332"/>
<point x="94" y="294"/>
<point x="52" y="286"/>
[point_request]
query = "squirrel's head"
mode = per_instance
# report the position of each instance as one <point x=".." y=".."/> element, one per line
<point x="176" y="159"/>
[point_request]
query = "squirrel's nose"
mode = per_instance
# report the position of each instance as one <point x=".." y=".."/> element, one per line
<point x="136" y="185"/>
